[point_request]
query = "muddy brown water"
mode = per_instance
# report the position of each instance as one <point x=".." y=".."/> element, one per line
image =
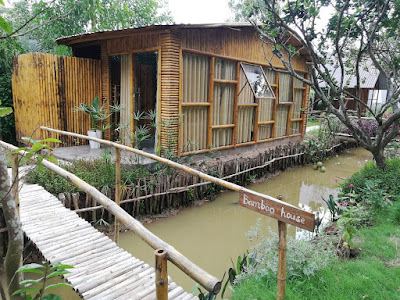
<point x="214" y="233"/>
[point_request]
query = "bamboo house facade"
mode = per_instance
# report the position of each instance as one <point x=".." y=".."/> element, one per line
<point x="186" y="88"/>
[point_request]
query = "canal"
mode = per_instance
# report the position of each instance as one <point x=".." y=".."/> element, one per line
<point x="213" y="234"/>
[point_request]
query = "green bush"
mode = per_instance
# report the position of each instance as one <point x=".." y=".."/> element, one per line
<point x="396" y="213"/>
<point x="385" y="178"/>
<point x="98" y="173"/>
<point x="304" y="257"/>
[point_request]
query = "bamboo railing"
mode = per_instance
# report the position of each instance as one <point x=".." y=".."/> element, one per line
<point x="228" y="185"/>
<point x="206" y="280"/>
<point x="209" y="282"/>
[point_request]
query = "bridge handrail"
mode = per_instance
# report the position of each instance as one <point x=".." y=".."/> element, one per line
<point x="221" y="182"/>
<point x="209" y="282"/>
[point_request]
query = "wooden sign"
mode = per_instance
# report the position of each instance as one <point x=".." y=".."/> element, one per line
<point x="277" y="209"/>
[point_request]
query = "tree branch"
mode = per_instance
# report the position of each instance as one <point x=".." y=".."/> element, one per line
<point x="13" y="35"/>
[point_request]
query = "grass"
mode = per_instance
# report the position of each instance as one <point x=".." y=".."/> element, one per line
<point x="374" y="274"/>
<point x="312" y="123"/>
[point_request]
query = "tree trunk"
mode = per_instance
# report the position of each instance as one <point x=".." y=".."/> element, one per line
<point x="13" y="258"/>
<point x="379" y="158"/>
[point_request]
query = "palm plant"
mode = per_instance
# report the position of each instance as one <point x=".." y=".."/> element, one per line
<point x="97" y="113"/>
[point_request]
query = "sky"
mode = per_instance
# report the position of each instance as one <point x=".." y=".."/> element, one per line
<point x="216" y="11"/>
<point x="199" y="11"/>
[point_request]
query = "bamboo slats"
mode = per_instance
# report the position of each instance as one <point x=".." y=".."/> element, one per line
<point x="242" y="44"/>
<point x="223" y="103"/>
<point x="105" y="78"/>
<point x="46" y="88"/>
<point x="195" y="90"/>
<point x="169" y="104"/>
<point x="133" y="43"/>
<point x="126" y="100"/>
<point x="101" y="269"/>
<point x="282" y="113"/>
<point x="253" y="118"/>
<point x="285" y="88"/>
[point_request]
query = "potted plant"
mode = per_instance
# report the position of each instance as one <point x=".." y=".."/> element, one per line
<point x="98" y="114"/>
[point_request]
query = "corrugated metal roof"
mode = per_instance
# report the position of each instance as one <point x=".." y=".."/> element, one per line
<point x="368" y="76"/>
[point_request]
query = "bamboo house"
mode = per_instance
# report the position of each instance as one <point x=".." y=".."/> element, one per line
<point x="186" y="88"/>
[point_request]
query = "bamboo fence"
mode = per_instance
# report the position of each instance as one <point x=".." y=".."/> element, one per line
<point x="46" y="88"/>
<point x="157" y="194"/>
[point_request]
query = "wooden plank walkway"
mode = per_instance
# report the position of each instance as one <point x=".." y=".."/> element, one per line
<point x="101" y="270"/>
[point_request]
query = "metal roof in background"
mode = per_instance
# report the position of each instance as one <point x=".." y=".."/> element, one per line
<point x="369" y="75"/>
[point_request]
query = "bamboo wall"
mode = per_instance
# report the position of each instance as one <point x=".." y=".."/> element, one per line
<point x="239" y="43"/>
<point x="46" y="88"/>
<point x="133" y="43"/>
<point x="199" y="104"/>
<point x="219" y="108"/>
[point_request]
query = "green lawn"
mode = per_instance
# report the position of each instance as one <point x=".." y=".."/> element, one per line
<point x="374" y="274"/>
<point x="312" y="123"/>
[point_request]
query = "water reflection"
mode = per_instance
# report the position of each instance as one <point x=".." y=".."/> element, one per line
<point x="212" y="234"/>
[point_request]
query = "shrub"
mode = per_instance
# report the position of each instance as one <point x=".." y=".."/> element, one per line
<point x="98" y="173"/>
<point x="304" y="257"/>
<point x="396" y="213"/>
<point x="387" y="179"/>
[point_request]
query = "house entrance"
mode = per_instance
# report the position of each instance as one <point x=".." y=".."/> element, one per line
<point x="145" y="97"/>
<point x="134" y="88"/>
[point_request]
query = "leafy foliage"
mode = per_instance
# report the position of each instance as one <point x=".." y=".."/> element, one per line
<point x="73" y="17"/>
<point x="304" y="258"/>
<point x="38" y="289"/>
<point x="386" y="178"/>
<point x="34" y="150"/>
<point x="332" y="206"/>
<point x="241" y="264"/>
<point x="8" y="48"/>
<point x="97" y="113"/>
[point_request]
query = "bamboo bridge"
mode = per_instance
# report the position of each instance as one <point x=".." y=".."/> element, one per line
<point x="101" y="270"/>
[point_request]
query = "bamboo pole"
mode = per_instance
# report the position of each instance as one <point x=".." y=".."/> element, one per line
<point x="15" y="179"/>
<point x="219" y="181"/>
<point x="235" y="105"/>
<point x="161" y="274"/>
<point x="209" y="282"/>
<point x="210" y="101"/>
<point x="282" y="231"/>
<point x="117" y="190"/>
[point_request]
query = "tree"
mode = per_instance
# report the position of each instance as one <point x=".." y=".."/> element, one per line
<point x="357" y="32"/>
<point x="13" y="259"/>
<point x="244" y="8"/>
<point x="68" y="17"/>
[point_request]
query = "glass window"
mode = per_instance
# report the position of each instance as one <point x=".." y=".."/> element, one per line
<point x="258" y="81"/>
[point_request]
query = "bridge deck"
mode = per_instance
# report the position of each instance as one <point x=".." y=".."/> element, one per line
<point x="101" y="270"/>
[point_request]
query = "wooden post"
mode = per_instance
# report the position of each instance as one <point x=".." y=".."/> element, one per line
<point x="282" y="231"/>
<point x="161" y="274"/>
<point x="117" y="190"/>
<point x="15" y="179"/>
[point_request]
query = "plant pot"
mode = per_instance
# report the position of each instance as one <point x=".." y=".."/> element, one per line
<point x="96" y="134"/>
